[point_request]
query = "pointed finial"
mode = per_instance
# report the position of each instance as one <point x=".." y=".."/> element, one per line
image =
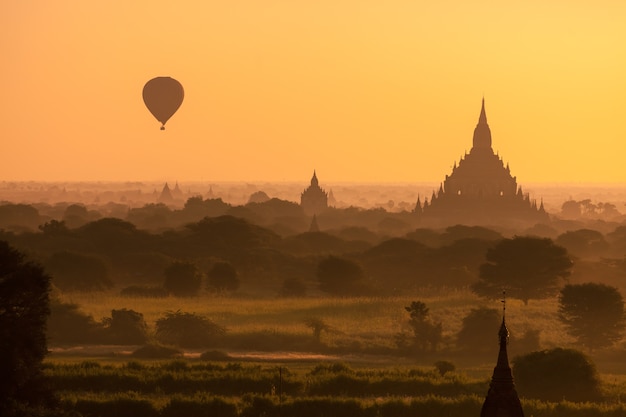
<point x="482" y="119"/>
<point x="503" y="304"/>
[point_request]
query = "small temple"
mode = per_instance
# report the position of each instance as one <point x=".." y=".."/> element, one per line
<point x="480" y="190"/>
<point x="166" y="196"/>
<point x="314" y="199"/>
<point x="502" y="399"/>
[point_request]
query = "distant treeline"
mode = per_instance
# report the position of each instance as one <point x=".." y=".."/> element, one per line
<point x="269" y="245"/>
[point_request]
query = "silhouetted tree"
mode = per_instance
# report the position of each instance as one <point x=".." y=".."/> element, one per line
<point x="19" y="216"/>
<point x="24" y="308"/>
<point x="583" y="242"/>
<point x="557" y="375"/>
<point x="318" y="326"/>
<point x="126" y="327"/>
<point x="593" y="313"/>
<point x="188" y="330"/>
<point x="223" y="277"/>
<point x="182" y="279"/>
<point x="67" y="324"/>
<point x="527" y="267"/>
<point x="293" y="287"/>
<point x="340" y="276"/>
<point x="54" y="228"/>
<point x="76" y="271"/>
<point x="479" y="327"/>
<point x="428" y="333"/>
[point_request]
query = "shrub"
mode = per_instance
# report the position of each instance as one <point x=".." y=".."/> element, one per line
<point x="557" y="374"/>
<point x="187" y="330"/>
<point x="126" y="327"/>
<point x="68" y="325"/>
<point x="443" y="367"/>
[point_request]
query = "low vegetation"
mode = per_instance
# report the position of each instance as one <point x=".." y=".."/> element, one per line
<point x="195" y="388"/>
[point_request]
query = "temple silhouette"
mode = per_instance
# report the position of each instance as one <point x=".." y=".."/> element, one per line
<point x="314" y="199"/>
<point x="502" y="399"/>
<point x="480" y="190"/>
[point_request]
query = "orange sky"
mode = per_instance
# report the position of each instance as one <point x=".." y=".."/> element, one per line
<point x="359" y="90"/>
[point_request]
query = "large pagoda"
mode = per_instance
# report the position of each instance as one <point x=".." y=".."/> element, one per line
<point x="314" y="199"/>
<point x="480" y="190"/>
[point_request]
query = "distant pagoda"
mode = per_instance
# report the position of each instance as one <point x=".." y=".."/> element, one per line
<point x="166" y="196"/>
<point x="480" y="190"/>
<point x="502" y="399"/>
<point x="314" y="199"/>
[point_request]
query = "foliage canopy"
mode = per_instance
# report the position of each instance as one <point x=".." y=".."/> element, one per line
<point x="593" y="313"/>
<point x="526" y="267"/>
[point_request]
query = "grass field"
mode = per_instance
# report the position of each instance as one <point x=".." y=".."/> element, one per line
<point x="367" y="321"/>
<point x="363" y="323"/>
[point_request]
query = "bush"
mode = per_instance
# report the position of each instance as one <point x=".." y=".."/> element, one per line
<point x="182" y="279"/>
<point x="556" y="375"/>
<point x="443" y="367"/>
<point x="68" y="325"/>
<point x="126" y="327"/>
<point x="187" y="330"/>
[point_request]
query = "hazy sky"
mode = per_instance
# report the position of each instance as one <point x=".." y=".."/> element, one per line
<point x="358" y="90"/>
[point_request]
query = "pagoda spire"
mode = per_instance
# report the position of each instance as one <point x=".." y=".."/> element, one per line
<point x="482" y="133"/>
<point x="502" y="399"/>
<point x="482" y="119"/>
<point x="314" y="181"/>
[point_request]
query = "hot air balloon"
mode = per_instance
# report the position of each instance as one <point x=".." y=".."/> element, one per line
<point x="163" y="96"/>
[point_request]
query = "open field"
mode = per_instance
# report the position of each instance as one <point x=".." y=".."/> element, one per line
<point x="359" y="322"/>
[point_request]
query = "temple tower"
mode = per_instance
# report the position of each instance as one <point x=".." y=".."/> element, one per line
<point x="480" y="190"/>
<point x="502" y="399"/>
<point x="314" y="199"/>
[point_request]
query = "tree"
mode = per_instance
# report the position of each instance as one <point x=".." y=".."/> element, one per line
<point x="527" y="267"/>
<point x="188" y="330"/>
<point x="478" y="328"/>
<point x="318" y="326"/>
<point x="593" y="313"/>
<point x="583" y="242"/>
<point x="76" y="271"/>
<point x="24" y="308"/>
<point x="557" y="375"/>
<point x="182" y="279"/>
<point x="340" y="276"/>
<point x="293" y="287"/>
<point x="126" y="327"/>
<point x="223" y="277"/>
<point x="428" y="333"/>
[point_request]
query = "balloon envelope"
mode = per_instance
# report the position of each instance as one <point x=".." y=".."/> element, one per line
<point x="163" y="96"/>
